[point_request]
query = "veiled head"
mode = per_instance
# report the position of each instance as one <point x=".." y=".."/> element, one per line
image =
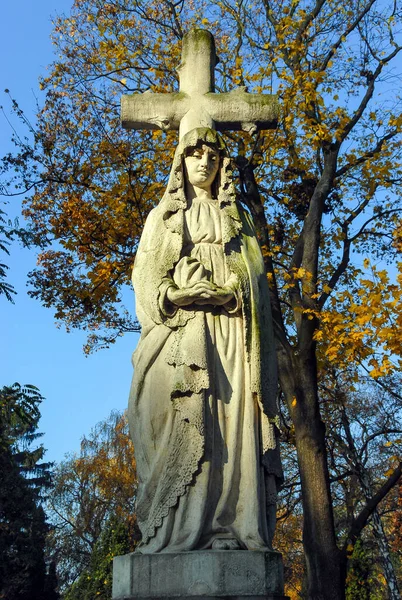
<point x="222" y="187"/>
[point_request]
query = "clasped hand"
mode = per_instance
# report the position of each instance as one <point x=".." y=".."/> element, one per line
<point x="201" y="293"/>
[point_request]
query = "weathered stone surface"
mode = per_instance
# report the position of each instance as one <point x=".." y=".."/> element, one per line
<point x="196" y="105"/>
<point x="202" y="408"/>
<point x="204" y="574"/>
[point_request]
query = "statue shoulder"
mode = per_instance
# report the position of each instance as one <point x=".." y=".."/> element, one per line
<point x="153" y="220"/>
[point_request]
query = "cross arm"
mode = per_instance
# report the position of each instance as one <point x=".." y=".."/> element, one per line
<point x="238" y="110"/>
<point x="235" y="110"/>
<point x="153" y="111"/>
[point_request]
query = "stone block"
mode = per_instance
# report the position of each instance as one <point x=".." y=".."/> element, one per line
<point x="199" y="574"/>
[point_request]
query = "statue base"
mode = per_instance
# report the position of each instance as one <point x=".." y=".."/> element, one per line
<point x="206" y="574"/>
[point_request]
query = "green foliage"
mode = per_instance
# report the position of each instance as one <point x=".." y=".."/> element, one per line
<point x="19" y="418"/>
<point x="364" y="580"/>
<point x="117" y="538"/>
<point x="358" y="587"/>
<point x="5" y="288"/>
<point x="24" y="482"/>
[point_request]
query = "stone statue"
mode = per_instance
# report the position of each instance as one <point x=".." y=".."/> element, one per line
<point x="202" y="408"/>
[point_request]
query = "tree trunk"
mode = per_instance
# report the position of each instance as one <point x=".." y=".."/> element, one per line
<point x="326" y="575"/>
<point x="325" y="567"/>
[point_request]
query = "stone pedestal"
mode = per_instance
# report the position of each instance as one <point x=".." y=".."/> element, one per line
<point x="197" y="575"/>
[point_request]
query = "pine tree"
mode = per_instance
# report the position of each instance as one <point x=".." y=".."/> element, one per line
<point x="24" y="481"/>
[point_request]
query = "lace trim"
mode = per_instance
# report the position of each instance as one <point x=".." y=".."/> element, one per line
<point x="268" y="438"/>
<point x="188" y="450"/>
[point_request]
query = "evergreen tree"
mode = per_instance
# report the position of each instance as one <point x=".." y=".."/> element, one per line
<point x="23" y="483"/>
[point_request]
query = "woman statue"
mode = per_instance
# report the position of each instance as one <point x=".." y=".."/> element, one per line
<point x="202" y="407"/>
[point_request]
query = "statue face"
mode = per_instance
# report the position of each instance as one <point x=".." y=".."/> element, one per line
<point x="202" y="165"/>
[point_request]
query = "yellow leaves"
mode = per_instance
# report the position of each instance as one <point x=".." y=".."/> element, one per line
<point x="309" y="313"/>
<point x="289" y="120"/>
<point x="364" y="326"/>
<point x="237" y="71"/>
<point x="349" y="549"/>
<point x="318" y="335"/>
<point x="397" y="238"/>
<point x="298" y="273"/>
<point x="331" y="353"/>
<point x="395" y="121"/>
<point x="376" y="373"/>
<point x="363" y="319"/>
<point x="382" y="276"/>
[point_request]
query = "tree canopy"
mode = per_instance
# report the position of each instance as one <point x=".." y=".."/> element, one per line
<point x="91" y="508"/>
<point x="93" y="184"/>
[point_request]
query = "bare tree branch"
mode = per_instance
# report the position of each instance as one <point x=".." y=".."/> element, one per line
<point x="361" y="520"/>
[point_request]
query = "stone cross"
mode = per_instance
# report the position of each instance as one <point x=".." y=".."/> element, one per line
<point x="196" y="104"/>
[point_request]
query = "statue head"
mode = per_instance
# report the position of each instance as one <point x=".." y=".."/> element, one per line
<point x="222" y="187"/>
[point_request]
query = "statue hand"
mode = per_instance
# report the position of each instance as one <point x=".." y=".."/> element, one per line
<point x="191" y="295"/>
<point x="218" y="296"/>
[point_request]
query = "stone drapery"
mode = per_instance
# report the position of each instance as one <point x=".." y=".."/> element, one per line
<point x="202" y="408"/>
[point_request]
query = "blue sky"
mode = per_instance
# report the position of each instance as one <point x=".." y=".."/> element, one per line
<point x="79" y="391"/>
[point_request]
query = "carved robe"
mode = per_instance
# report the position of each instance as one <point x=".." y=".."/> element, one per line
<point x="202" y="408"/>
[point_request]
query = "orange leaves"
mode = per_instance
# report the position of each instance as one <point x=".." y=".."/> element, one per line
<point x="93" y="490"/>
<point x="109" y="463"/>
<point x="287" y="540"/>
